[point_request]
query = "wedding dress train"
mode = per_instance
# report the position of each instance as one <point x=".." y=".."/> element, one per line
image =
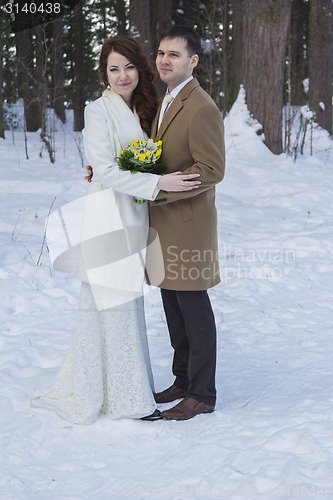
<point x="107" y="368"/>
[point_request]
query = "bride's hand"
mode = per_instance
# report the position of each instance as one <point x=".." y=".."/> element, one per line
<point x="90" y="173"/>
<point x="178" y="182"/>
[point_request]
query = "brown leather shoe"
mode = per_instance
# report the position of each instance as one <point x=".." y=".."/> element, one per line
<point x="186" y="409"/>
<point x="170" y="394"/>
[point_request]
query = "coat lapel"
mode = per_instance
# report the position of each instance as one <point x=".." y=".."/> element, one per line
<point x="175" y="107"/>
<point x="126" y="123"/>
<point x="172" y="112"/>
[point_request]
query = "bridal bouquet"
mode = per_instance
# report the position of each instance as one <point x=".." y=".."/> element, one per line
<point x="141" y="156"/>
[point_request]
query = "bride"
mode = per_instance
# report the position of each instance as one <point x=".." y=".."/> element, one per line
<point x="107" y="368"/>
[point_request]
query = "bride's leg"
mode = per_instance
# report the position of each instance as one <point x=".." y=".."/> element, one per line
<point x="128" y="381"/>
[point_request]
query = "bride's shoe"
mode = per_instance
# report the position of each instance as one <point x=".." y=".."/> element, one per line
<point x="154" y="416"/>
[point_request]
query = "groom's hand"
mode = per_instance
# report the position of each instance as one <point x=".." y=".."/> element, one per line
<point x="90" y="173"/>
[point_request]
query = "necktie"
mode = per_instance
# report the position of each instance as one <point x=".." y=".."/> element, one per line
<point x="166" y="100"/>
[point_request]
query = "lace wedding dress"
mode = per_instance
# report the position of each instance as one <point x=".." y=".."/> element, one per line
<point x="107" y="368"/>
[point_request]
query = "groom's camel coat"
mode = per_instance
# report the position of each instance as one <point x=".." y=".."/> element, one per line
<point x="186" y="222"/>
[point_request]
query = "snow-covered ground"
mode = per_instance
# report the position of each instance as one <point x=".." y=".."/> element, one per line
<point x="271" y="435"/>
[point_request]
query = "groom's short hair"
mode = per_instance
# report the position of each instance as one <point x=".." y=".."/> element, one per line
<point x="193" y="40"/>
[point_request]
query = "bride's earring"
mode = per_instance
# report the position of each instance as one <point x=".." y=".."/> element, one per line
<point x="108" y="86"/>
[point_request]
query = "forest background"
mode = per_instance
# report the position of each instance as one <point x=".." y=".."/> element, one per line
<point x="281" y="51"/>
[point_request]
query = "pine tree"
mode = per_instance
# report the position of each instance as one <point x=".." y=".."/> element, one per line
<point x="266" y="25"/>
<point x="321" y="61"/>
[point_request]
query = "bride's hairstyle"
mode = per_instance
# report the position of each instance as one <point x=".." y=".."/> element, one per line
<point x="144" y="96"/>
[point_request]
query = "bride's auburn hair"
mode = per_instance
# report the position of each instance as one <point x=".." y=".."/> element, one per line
<point x="144" y="97"/>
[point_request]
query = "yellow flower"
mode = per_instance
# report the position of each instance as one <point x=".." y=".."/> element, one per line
<point x="159" y="143"/>
<point x="158" y="153"/>
<point x="142" y="157"/>
<point x="135" y="143"/>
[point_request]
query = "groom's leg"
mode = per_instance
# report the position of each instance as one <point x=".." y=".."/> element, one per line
<point x="178" y="337"/>
<point x="199" y="321"/>
<point x="192" y="330"/>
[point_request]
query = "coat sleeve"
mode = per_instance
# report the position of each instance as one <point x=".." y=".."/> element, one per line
<point x="206" y="144"/>
<point x="100" y="153"/>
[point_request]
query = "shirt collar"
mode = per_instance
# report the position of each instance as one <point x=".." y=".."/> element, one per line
<point x="179" y="87"/>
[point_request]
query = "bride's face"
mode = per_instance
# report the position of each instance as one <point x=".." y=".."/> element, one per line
<point x="122" y="75"/>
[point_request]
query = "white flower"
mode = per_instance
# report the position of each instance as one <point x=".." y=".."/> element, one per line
<point x="151" y="145"/>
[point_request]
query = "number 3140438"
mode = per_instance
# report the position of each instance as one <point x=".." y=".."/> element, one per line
<point x="33" y="8"/>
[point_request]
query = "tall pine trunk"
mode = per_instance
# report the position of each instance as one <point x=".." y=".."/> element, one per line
<point x="2" y="124"/>
<point x="25" y="73"/>
<point x="39" y="72"/>
<point x="161" y="19"/>
<point x="78" y="84"/>
<point x="321" y="61"/>
<point x="265" y="39"/>
<point x="121" y="15"/>
<point x="298" y="41"/>
<point x="140" y="24"/>
<point x="58" y="71"/>
<point x="236" y="66"/>
<point x="148" y="20"/>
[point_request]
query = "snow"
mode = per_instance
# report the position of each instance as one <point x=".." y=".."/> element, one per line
<point x="306" y="83"/>
<point x="271" y="434"/>
<point x="307" y="113"/>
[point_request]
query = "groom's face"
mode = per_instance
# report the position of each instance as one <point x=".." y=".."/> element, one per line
<point x="174" y="63"/>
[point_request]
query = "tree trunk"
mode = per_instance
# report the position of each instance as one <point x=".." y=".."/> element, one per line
<point x="149" y="19"/>
<point x="265" y="38"/>
<point x="78" y="84"/>
<point x="236" y="61"/>
<point x="298" y="43"/>
<point x="161" y="20"/>
<point x="226" y="77"/>
<point x="121" y="15"/>
<point x="39" y="88"/>
<point x="25" y="70"/>
<point x="140" y="24"/>
<point x="58" y="70"/>
<point x="2" y="124"/>
<point x="320" y="61"/>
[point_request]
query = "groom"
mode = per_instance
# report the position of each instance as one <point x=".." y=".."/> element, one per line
<point x="186" y="222"/>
